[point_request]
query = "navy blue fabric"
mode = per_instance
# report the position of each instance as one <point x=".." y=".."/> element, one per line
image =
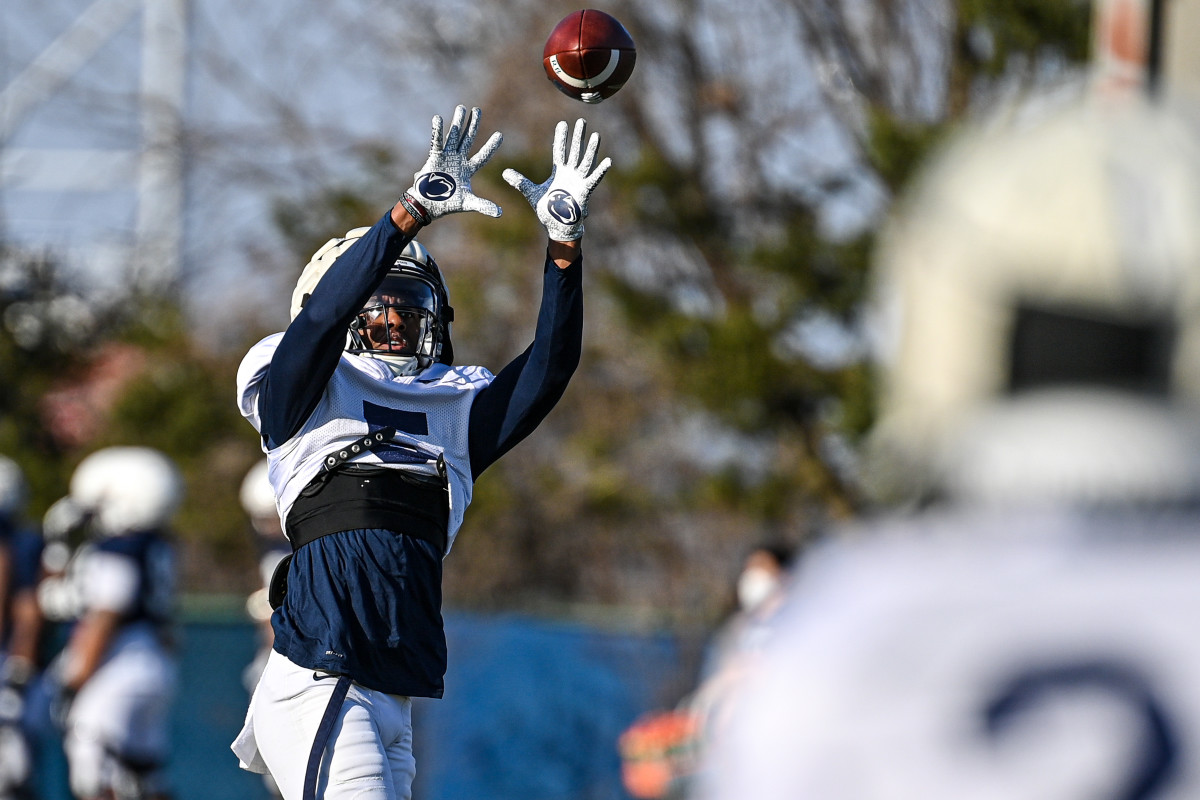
<point x="414" y="422"/>
<point x="25" y="551"/>
<point x="27" y="548"/>
<point x="24" y="548"/>
<point x="367" y="603"/>
<point x="154" y="556"/>
<point x="525" y="391"/>
<point x="321" y="740"/>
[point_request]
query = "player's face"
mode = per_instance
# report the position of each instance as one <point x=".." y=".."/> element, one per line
<point x="386" y="327"/>
<point x="393" y="319"/>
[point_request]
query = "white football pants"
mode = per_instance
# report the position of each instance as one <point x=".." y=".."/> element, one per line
<point x="370" y="751"/>
<point x="125" y="706"/>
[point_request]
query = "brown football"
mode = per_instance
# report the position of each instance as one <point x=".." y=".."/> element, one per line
<point x="589" y="55"/>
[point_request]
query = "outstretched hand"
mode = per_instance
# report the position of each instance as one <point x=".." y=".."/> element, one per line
<point x="561" y="202"/>
<point x="443" y="185"/>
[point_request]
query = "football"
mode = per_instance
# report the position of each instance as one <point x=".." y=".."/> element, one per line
<point x="589" y="55"/>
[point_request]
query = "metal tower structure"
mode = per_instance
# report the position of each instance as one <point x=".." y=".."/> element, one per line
<point x="153" y="167"/>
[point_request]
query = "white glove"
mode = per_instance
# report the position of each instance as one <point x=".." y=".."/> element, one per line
<point x="561" y="203"/>
<point x="443" y="185"/>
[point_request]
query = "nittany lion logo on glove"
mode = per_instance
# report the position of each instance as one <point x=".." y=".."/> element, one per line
<point x="436" y="185"/>
<point x="561" y="201"/>
<point x="562" y="207"/>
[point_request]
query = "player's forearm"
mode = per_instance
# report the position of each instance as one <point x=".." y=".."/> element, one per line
<point x="558" y="338"/>
<point x="27" y="626"/>
<point x="354" y="275"/>
<point x="564" y="254"/>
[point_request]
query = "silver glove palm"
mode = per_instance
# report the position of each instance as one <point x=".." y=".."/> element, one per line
<point x="443" y="185"/>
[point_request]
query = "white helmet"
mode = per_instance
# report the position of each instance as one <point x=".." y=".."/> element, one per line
<point x="426" y="297"/>
<point x="14" y="492"/>
<point x="257" y="494"/>
<point x="127" y="489"/>
<point x="1042" y="292"/>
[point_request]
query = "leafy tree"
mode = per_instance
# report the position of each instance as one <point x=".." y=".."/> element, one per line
<point x="36" y="350"/>
<point x="84" y="374"/>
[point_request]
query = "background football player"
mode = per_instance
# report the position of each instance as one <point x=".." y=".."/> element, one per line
<point x="117" y="673"/>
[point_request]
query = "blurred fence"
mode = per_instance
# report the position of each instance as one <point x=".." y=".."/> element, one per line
<point x="532" y="710"/>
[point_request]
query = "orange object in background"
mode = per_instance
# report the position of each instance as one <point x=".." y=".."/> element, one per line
<point x="658" y="754"/>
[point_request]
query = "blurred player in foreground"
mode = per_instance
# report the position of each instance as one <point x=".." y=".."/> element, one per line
<point x="1030" y="630"/>
<point x="117" y="674"/>
<point x="374" y="440"/>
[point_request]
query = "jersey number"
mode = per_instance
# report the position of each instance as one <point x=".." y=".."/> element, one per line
<point x="414" y="423"/>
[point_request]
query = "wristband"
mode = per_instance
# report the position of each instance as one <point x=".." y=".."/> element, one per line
<point x="415" y="209"/>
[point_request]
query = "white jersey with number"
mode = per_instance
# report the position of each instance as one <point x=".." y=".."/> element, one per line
<point x="958" y="658"/>
<point x="430" y="413"/>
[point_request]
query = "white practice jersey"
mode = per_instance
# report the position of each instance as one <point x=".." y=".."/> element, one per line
<point x="430" y="413"/>
<point x="979" y="659"/>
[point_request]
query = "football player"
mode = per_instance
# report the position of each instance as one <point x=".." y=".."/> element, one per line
<point x="117" y="673"/>
<point x="374" y="438"/>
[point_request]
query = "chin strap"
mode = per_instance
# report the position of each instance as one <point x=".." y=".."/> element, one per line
<point x="400" y="366"/>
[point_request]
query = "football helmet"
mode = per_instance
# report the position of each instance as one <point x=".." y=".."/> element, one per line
<point x="1040" y="298"/>
<point x="257" y="495"/>
<point x="258" y="500"/>
<point x="127" y="489"/>
<point x="14" y="492"/>
<point x="406" y="322"/>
